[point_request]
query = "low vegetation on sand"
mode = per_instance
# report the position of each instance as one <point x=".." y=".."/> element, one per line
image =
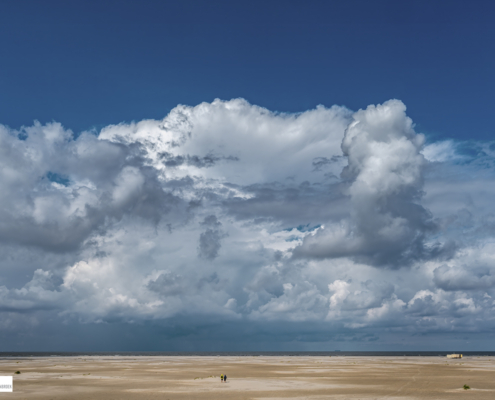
<point x="466" y="387"/>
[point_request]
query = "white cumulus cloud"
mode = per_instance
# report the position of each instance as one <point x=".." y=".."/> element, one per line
<point x="226" y="214"/>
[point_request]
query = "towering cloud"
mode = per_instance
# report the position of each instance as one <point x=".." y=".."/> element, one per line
<point x="384" y="177"/>
<point x="323" y="225"/>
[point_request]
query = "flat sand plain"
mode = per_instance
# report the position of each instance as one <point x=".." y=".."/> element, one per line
<point x="263" y="377"/>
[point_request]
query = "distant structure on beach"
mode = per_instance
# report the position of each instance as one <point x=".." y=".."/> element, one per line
<point x="454" y="355"/>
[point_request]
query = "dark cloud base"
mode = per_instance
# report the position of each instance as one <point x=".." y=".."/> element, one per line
<point x="188" y="335"/>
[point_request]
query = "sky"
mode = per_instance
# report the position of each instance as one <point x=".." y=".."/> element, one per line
<point x="233" y="176"/>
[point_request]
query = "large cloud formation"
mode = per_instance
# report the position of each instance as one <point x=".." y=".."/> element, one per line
<point x="229" y="219"/>
<point x="384" y="173"/>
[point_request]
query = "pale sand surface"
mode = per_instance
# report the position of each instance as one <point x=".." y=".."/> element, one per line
<point x="161" y="377"/>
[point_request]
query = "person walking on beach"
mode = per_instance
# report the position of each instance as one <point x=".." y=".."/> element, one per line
<point x="225" y="378"/>
<point x="221" y="378"/>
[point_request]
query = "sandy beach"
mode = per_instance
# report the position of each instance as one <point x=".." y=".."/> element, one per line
<point x="263" y="377"/>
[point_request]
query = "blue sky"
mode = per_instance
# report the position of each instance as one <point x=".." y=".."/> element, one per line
<point x="272" y="175"/>
<point x="94" y="63"/>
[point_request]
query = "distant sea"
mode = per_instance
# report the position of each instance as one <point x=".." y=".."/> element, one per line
<point x="246" y="353"/>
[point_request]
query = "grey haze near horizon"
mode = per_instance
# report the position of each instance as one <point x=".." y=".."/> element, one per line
<point x="226" y="226"/>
